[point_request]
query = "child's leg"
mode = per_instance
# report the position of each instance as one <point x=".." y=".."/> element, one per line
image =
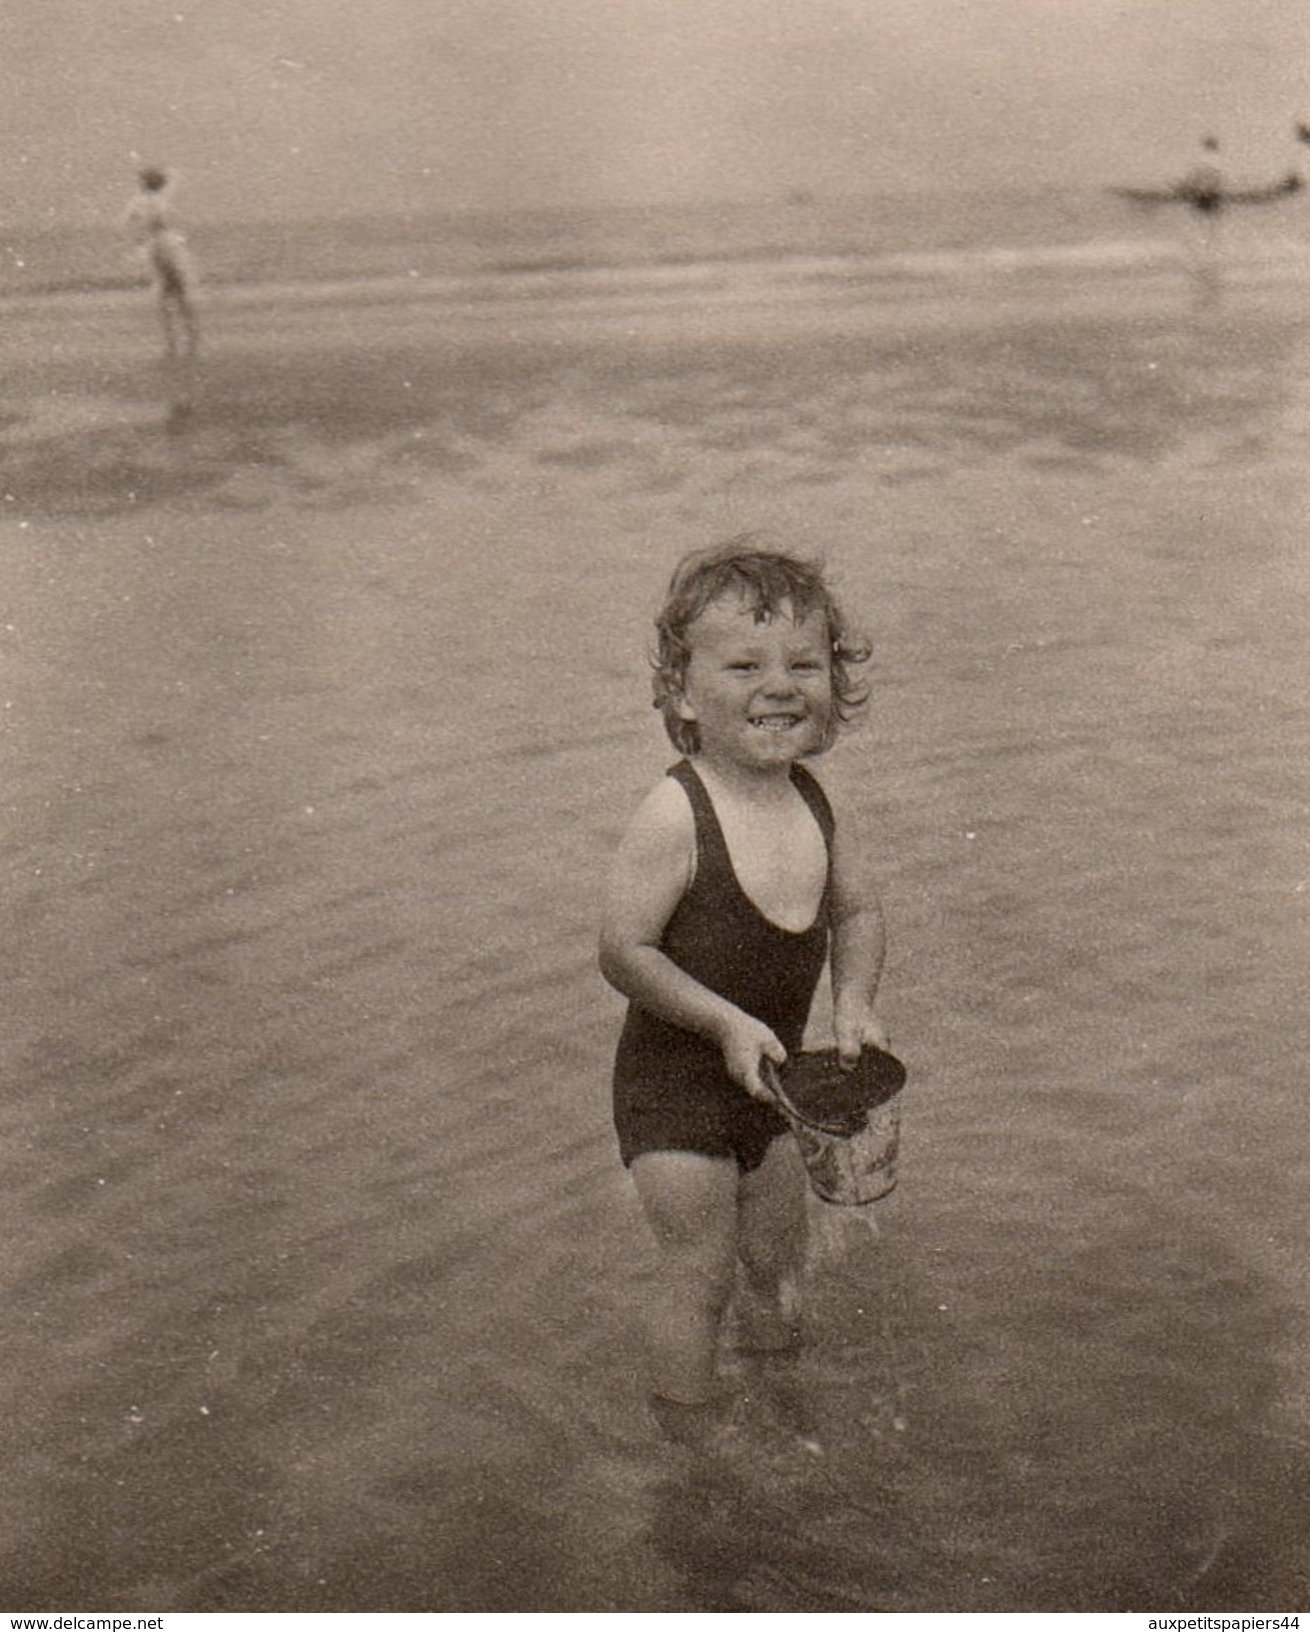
<point x="771" y="1243"/>
<point x="690" y="1202"/>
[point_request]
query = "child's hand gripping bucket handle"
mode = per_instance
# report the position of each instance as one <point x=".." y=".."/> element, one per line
<point x="847" y="1123"/>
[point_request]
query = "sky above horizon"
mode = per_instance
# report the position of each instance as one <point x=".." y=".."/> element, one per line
<point x="302" y="108"/>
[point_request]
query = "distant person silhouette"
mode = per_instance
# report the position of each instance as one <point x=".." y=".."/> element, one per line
<point x="1203" y="186"/>
<point x="149" y="217"/>
<point x="1204" y="189"/>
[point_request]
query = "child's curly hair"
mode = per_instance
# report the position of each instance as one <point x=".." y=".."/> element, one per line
<point x="770" y="583"/>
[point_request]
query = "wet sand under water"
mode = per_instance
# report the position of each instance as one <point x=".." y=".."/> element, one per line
<point x="323" y="710"/>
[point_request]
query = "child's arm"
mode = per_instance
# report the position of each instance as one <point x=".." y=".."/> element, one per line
<point x="859" y="939"/>
<point x="651" y="873"/>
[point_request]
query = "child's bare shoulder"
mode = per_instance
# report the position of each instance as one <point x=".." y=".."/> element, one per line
<point x="664" y="817"/>
<point x="656" y="859"/>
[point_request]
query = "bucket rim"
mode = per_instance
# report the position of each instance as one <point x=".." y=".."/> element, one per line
<point x="877" y="1077"/>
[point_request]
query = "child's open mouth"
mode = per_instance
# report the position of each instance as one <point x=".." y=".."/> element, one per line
<point x="775" y="722"/>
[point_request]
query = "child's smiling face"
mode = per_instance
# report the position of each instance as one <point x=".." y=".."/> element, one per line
<point x="757" y="687"/>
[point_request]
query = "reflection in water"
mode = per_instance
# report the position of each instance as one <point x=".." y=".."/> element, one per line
<point x="1092" y="1430"/>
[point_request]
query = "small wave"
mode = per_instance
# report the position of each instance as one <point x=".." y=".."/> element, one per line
<point x="1008" y="260"/>
<point x="717" y="277"/>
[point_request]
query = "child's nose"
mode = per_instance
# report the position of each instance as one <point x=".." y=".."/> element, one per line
<point x="779" y="681"/>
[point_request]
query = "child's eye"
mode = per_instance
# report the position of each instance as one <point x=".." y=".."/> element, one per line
<point x="809" y="665"/>
<point x="743" y="667"/>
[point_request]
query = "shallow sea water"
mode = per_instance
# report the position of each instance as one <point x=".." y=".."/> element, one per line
<point x="320" y="1264"/>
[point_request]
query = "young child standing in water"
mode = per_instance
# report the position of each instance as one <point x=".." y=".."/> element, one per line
<point x="733" y="885"/>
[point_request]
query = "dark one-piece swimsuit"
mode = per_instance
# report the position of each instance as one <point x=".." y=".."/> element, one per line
<point x="671" y="1090"/>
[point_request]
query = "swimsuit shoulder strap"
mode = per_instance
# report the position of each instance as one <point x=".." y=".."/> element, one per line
<point x="811" y="790"/>
<point x="711" y="846"/>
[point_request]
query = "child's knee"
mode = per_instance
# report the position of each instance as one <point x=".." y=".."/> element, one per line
<point x="703" y="1272"/>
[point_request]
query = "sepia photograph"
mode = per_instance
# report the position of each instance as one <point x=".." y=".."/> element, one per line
<point x="654" y="791"/>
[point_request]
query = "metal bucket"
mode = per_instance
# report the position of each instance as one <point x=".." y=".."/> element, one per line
<point x="846" y="1123"/>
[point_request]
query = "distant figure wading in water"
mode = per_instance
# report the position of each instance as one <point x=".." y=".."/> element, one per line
<point x="1203" y="186"/>
<point x="149" y="217"/>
